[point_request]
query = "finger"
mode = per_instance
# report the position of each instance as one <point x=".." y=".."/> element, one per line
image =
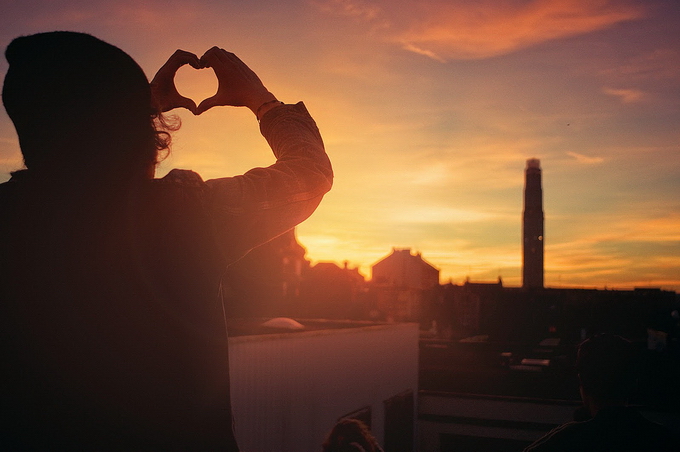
<point x="187" y="103"/>
<point x="182" y="57"/>
<point x="208" y="56"/>
<point x="206" y="104"/>
<point x="195" y="63"/>
<point x="214" y="55"/>
<point x="176" y="100"/>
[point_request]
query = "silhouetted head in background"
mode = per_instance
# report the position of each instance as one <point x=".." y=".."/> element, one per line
<point x="605" y="371"/>
<point x="82" y="108"/>
<point x="350" y="435"/>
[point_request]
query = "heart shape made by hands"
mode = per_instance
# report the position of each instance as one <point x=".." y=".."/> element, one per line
<point x="195" y="83"/>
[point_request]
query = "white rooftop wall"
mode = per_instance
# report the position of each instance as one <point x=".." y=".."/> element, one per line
<point x="288" y="390"/>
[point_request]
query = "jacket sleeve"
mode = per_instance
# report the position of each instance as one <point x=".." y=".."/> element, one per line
<point x="255" y="207"/>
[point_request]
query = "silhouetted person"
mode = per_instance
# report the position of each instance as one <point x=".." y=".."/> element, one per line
<point x="605" y="367"/>
<point x="112" y="328"/>
<point x="350" y="435"/>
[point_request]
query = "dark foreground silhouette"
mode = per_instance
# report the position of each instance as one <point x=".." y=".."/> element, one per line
<point x="350" y="435"/>
<point x="605" y="365"/>
<point x="113" y="334"/>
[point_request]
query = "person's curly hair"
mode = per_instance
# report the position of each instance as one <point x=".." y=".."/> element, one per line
<point x="350" y="435"/>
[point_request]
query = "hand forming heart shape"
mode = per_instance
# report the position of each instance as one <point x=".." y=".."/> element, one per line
<point x="237" y="84"/>
<point x="163" y="89"/>
<point x="195" y="85"/>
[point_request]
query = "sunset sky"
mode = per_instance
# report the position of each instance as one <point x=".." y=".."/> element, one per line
<point x="429" y="111"/>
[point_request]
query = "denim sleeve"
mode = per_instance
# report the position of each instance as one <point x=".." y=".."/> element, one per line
<point x="252" y="208"/>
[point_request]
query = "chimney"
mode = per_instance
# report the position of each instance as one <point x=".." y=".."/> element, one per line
<point x="532" y="227"/>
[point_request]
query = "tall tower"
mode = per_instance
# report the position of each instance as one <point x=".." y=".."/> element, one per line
<point x="532" y="227"/>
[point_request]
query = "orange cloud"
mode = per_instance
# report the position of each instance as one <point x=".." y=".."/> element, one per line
<point x="445" y="29"/>
<point x="666" y="228"/>
<point x="480" y="30"/>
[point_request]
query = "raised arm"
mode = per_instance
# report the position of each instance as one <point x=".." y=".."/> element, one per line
<point x="253" y="208"/>
<point x="263" y="203"/>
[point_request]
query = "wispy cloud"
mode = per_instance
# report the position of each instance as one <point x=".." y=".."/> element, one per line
<point x="633" y="226"/>
<point x="662" y="229"/>
<point x="580" y="158"/>
<point x="628" y="252"/>
<point x="584" y="263"/>
<point x="437" y="214"/>
<point x="659" y="64"/>
<point x="627" y="96"/>
<point x="444" y="29"/>
<point x="351" y="8"/>
<point x="428" y="53"/>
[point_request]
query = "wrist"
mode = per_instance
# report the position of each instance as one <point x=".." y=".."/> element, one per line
<point x="265" y="107"/>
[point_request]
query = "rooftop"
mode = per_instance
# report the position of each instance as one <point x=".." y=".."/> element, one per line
<point x="284" y="325"/>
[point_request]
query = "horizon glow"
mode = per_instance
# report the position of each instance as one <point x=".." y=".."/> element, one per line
<point x="429" y="111"/>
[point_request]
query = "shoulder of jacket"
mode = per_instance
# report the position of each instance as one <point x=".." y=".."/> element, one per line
<point x="182" y="178"/>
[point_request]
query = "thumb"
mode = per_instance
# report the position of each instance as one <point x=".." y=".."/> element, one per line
<point x="207" y="104"/>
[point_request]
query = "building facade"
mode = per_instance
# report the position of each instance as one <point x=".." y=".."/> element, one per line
<point x="290" y="388"/>
<point x="403" y="283"/>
